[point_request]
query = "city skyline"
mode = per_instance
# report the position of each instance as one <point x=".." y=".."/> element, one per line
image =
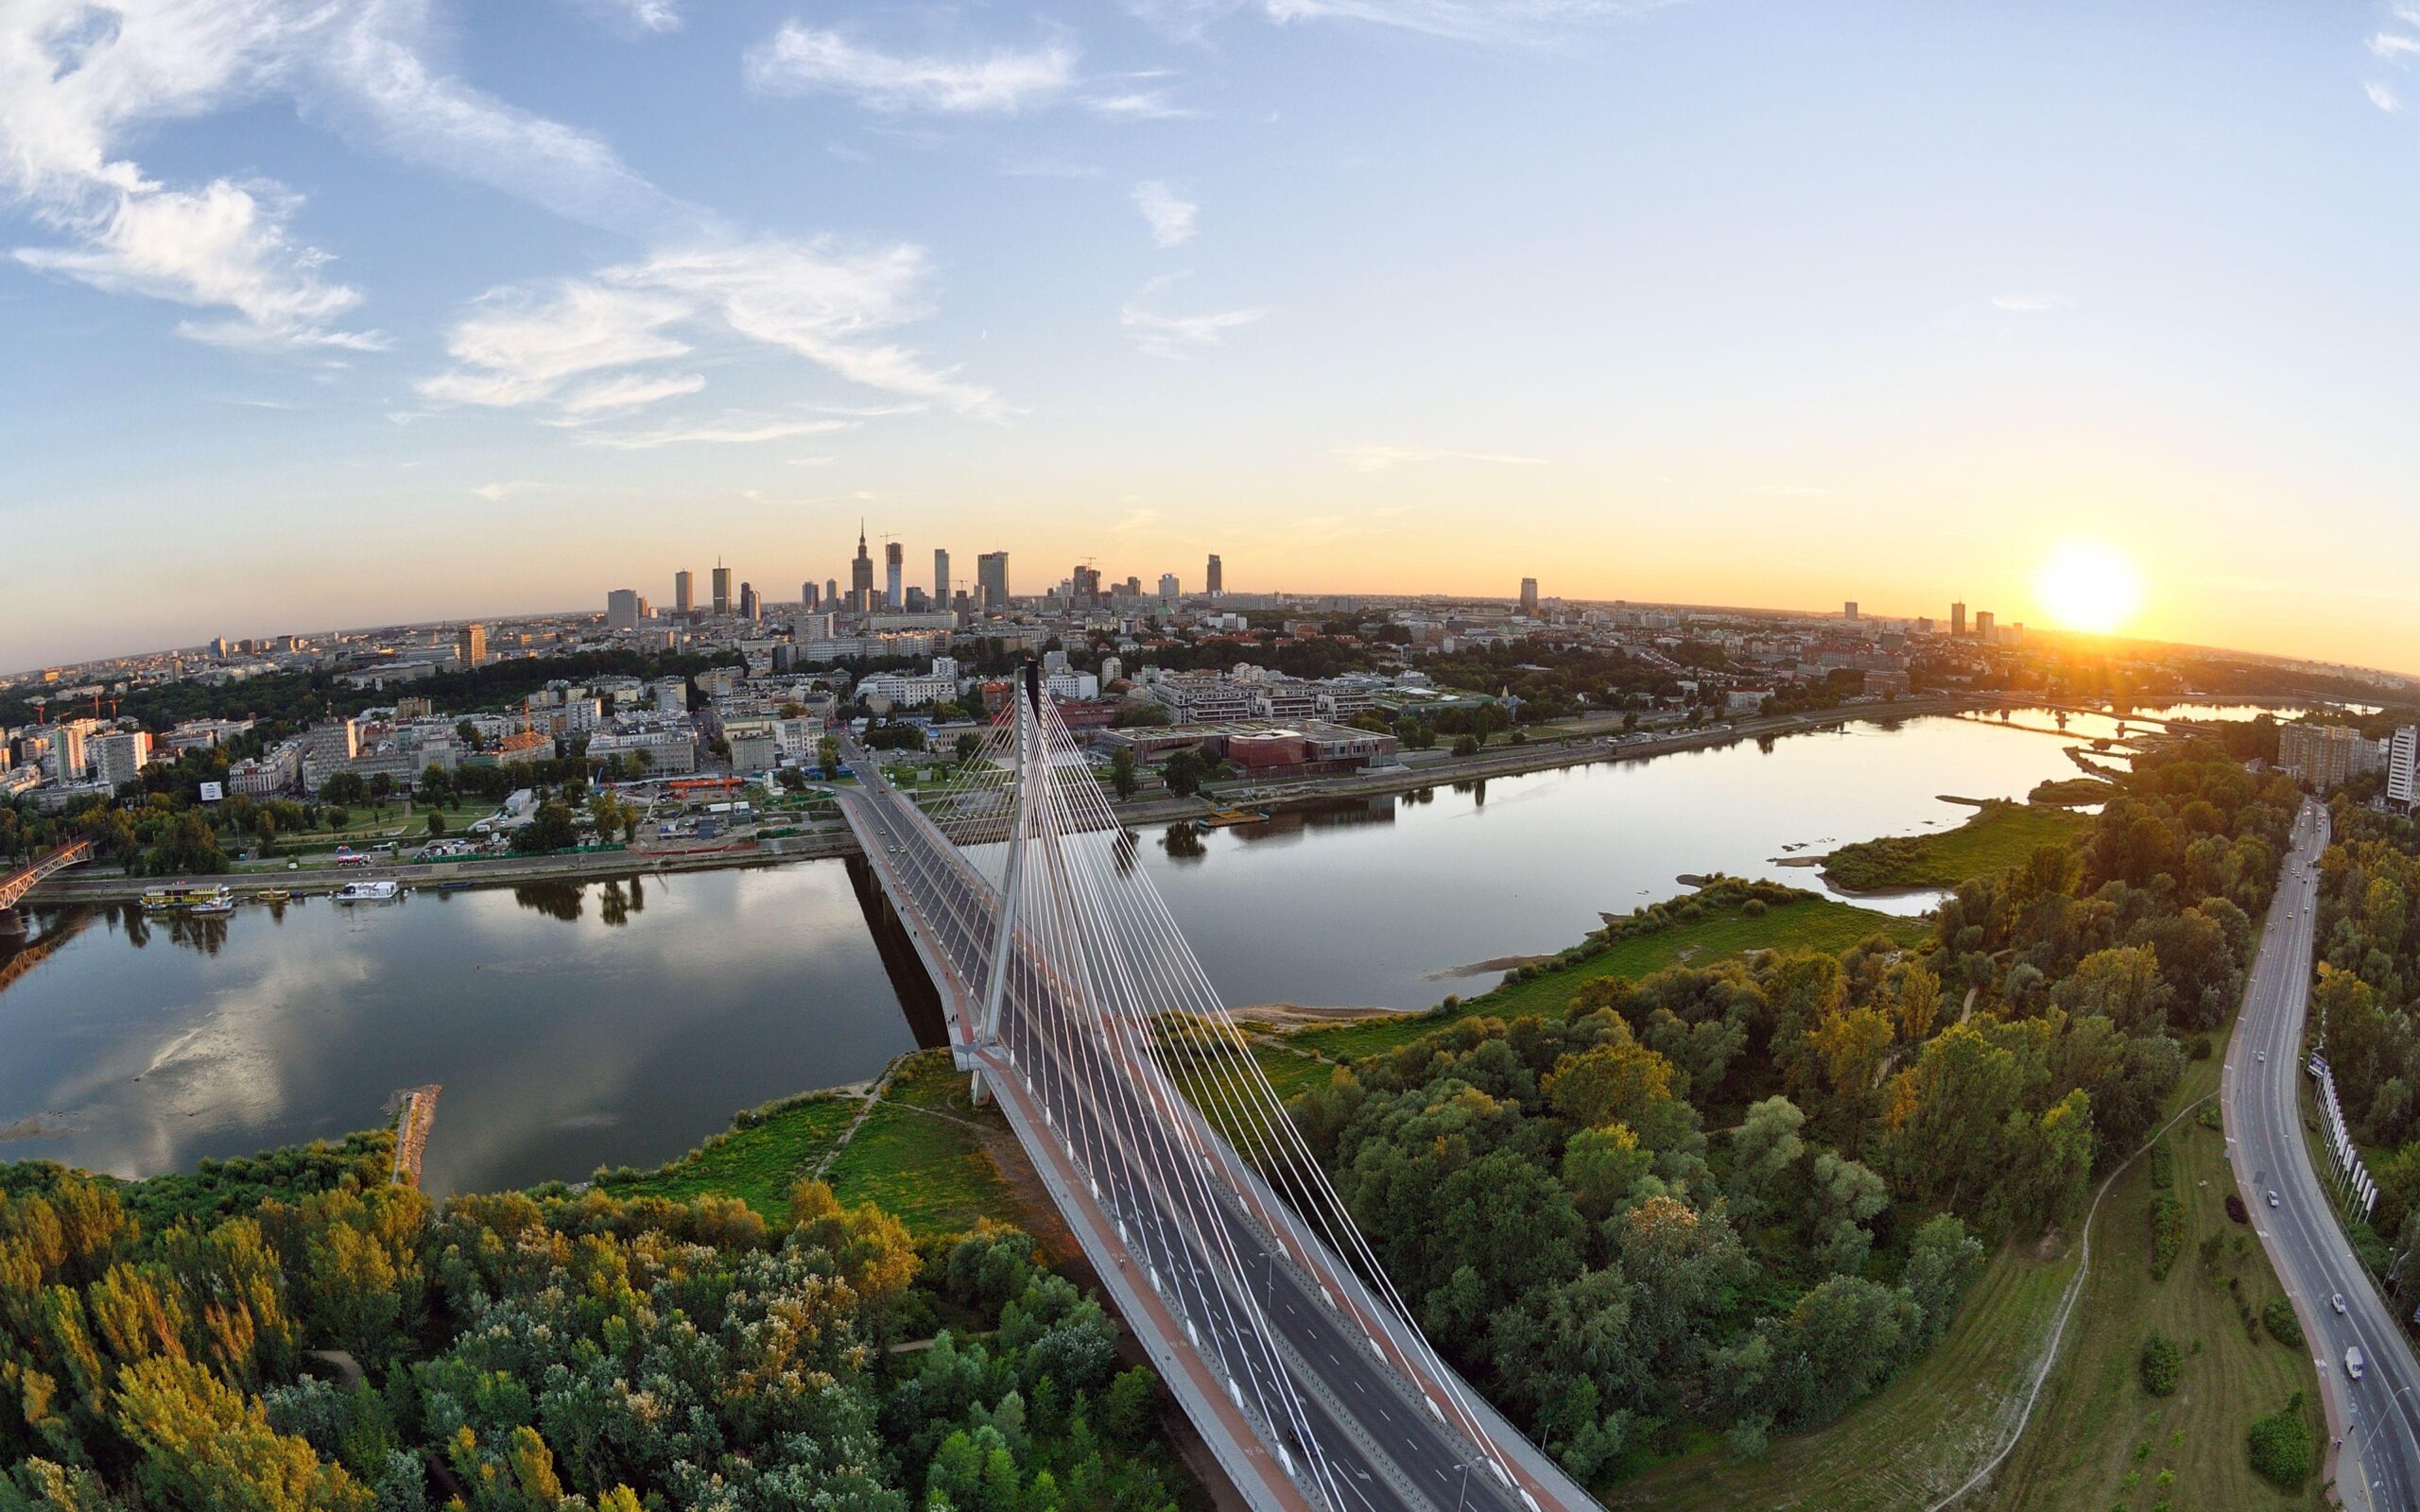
<point x="1129" y="274"/>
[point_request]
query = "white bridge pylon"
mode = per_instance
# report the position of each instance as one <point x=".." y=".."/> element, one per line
<point x="1070" y="976"/>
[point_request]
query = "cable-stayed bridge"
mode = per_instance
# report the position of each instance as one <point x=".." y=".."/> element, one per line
<point x="1075" y="1000"/>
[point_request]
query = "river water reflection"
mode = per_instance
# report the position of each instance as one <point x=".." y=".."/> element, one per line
<point x="578" y="1026"/>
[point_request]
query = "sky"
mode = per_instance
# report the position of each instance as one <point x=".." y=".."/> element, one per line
<point x="399" y="310"/>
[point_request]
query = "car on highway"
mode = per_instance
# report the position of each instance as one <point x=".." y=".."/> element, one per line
<point x="2337" y="1302"/>
<point x="2354" y="1363"/>
<point x="2272" y="1198"/>
<point x="2264" y="1058"/>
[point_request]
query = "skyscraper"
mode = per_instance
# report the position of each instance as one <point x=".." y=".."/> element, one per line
<point x="722" y="590"/>
<point x="831" y="592"/>
<point x="1983" y="625"/>
<point x="941" y="579"/>
<point x="991" y="578"/>
<point x="1530" y="595"/>
<point x="1958" y="619"/>
<point x="809" y="596"/>
<point x="622" y="610"/>
<point x="1087" y="588"/>
<point x="1848" y="611"/>
<point x="685" y="592"/>
<point x="894" y="568"/>
<point x="1169" y="585"/>
<point x="862" y="576"/>
<point x="470" y="645"/>
<point x="751" y="606"/>
<point x="1214" y="578"/>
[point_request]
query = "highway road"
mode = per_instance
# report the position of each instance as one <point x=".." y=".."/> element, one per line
<point x="1254" y="1307"/>
<point x="2376" y="1420"/>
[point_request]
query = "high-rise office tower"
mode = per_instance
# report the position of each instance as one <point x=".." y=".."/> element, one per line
<point x="622" y="610"/>
<point x="1848" y="611"/>
<point x="1167" y="585"/>
<point x="809" y="596"/>
<point x="941" y="579"/>
<point x="1214" y="578"/>
<point x="2403" y="766"/>
<point x="831" y="592"/>
<point x="916" y="603"/>
<point x="1087" y="586"/>
<point x="1983" y="625"/>
<point x="1529" y="595"/>
<point x="894" y="568"/>
<point x="722" y="590"/>
<point x="1957" y="620"/>
<point x="470" y="645"/>
<point x="991" y="578"/>
<point x="862" y="576"/>
<point x="685" y="592"/>
<point x="1133" y="587"/>
<point x="751" y="606"/>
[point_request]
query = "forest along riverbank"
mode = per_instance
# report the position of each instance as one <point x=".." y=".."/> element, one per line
<point x="836" y="840"/>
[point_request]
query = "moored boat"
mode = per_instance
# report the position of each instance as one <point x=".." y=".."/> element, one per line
<point x="366" y="892"/>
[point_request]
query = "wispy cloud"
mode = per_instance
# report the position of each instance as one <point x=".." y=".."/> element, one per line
<point x="1139" y="105"/>
<point x="804" y="59"/>
<point x="738" y="431"/>
<point x="1380" y="458"/>
<point x="498" y="492"/>
<point x="2027" y="304"/>
<point x="77" y="86"/>
<point x="630" y="391"/>
<point x="1049" y="168"/>
<point x="517" y="348"/>
<point x="636" y="15"/>
<point x="2394" y="45"/>
<point x="1487" y="21"/>
<point x="1182" y="335"/>
<point x="1171" y="219"/>
<point x="2382" y="96"/>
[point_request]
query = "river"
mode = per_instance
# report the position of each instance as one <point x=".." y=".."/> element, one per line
<point x="575" y="1026"/>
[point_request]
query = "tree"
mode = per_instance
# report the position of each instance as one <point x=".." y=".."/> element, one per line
<point x="435" y="825"/>
<point x="1942" y="1263"/>
<point x="1764" y="1150"/>
<point x="550" y="828"/>
<point x="1620" y="1081"/>
<point x="1183" y="773"/>
<point x="205" y="1447"/>
<point x="1121" y="772"/>
<point x="2159" y="1364"/>
<point x="1466" y="746"/>
<point x="2281" y="1444"/>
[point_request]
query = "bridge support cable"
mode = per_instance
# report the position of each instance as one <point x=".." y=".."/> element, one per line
<point x="1176" y="987"/>
<point x="1082" y="1000"/>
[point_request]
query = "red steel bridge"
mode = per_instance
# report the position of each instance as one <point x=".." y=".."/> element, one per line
<point x="15" y="885"/>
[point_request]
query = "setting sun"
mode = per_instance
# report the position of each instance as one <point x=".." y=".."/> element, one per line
<point x="2088" y="587"/>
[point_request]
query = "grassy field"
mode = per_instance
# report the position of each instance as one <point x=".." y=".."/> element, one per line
<point x="2097" y="1439"/>
<point x="1814" y="923"/>
<point x="919" y="1156"/>
<point x="1998" y="836"/>
<point x="1912" y="1444"/>
<point x="757" y="1164"/>
<point x="1289" y="1070"/>
<point x="918" y="1153"/>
